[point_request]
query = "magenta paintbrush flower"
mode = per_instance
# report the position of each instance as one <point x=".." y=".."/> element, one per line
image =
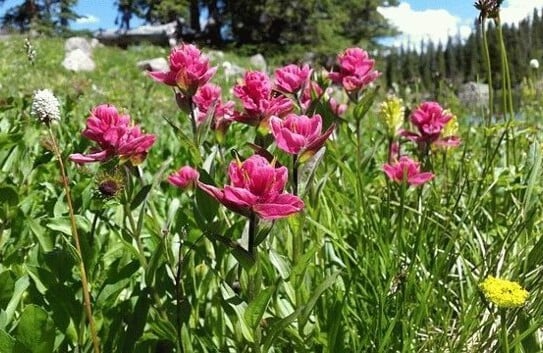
<point x="407" y="170"/>
<point x="299" y="134"/>
<point x="209" y="105"/>
<point x="356" y="70"/>
<point x="430" y="119"/>
<point x="259" y="103"/>
<point x="291" y="78"/>
<point x="189" y="69"/>
<point x="114" y="136"/>
<point x="256" y="186"/>
<point x="184" y="177"/>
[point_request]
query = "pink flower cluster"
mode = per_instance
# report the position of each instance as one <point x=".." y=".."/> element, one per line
<point x="115" y="136"/>
<point x="258" y="101"/>
<point x="356" y="70"/>
<point x="189" y="69"/>
<point x="299" y="134"/>
<point x="406" y="170"/>
<point x="292" y="78"/>
<point x="209" y="105"/>
<point x="256" y="187"/>
<point x="430" y="118"/>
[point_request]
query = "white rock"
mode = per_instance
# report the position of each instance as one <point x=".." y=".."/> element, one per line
<point x="258" y="62"/>
<point x="231" y="70"/>
<point x="156" y="64"/>
<point x="77" y="60"/>
<point x="95" y="43"/>
<point x="80" y="43"/>
<point x="474" y="94"/>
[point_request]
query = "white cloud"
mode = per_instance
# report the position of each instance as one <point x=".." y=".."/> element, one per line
<point x="87" y="19"/>
<point x="431" y="24"/>
<point x="438" y="24"/>
<point x="513" y="11"/>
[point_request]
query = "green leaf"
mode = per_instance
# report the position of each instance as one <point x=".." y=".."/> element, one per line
<point x="304" y="261"/>
<point x="154" y="263"/>
<point x="36" y="330"/>
<point x="535" y="255"/>
<point x="137" y="323"/>
<point x="140" y="196"/>
<point x="365" y="103"/>
<point x="164" y="329"/>
<point x="7" y="285"/>
<point x="280" y="264"/>
<point x="302" y="311"/>
<point x="20" y="286"/>
<point x="8" y="195"/>
<point x="256" y="308"/>
<point x="7" y="343"/>
<point x="307" y="308"/>
<point x="41" y="234"/>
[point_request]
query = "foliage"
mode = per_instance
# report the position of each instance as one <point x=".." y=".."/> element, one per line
<point x="370" y="266"/>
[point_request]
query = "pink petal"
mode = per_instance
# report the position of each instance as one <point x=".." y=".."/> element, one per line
<point x="420" y="178"/>
<point x="281" y="206"/>
<point x="88" y="158"/>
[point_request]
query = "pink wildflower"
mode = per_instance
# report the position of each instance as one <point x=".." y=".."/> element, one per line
<point x="407" y="170"/>
<point x="184" y="177"/>
<point x="291" y="78"/>
<point x="209" y="105"/>
<point x="256" y="186"/>
<point x="356" y="70"/>
<point x="312" y="92"/>
<point x="430" y="118"/>
<point x="189" y="69"/>
<point x="299" y="134"/>
<point x="114" y="136"/>
<point x="258" y="100"/>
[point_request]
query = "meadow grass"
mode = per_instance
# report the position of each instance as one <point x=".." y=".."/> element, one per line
<point x="369" y="266"/>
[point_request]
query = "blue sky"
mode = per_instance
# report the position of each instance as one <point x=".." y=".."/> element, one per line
<point x="417" y="19"/>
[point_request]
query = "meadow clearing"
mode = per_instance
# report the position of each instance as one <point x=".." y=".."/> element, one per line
<point x="379" y="229"/>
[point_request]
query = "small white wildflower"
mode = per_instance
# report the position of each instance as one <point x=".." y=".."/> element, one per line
<point x="30" y="51"/>
<point x="534" y="64"/>
<point x="45" y="106"/>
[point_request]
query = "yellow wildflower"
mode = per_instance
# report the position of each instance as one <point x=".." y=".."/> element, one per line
<point x="392" y="114"/>
<point x="451" y="127"/>
<point x="504" y="293"/>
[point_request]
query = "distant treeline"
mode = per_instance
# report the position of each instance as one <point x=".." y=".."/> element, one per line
<point x="458" y="62"/>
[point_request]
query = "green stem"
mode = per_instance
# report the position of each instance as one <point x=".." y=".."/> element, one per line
<point x="193" y="121"/>
<point x="507" y="89"/>
<point x="505" y="337"/>
<point x="84" y="281"/>
<point x="486" y="55"/>
<point x="403" y="187"/>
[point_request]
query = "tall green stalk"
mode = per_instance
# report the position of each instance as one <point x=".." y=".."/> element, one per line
<point x="486" y="55"/>
<point x="84" y="280"/>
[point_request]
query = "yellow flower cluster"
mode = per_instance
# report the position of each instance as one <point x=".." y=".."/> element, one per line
<point x="392" y="114"/>
<point x="504" y="293"/>
<point x="451" y="128"/>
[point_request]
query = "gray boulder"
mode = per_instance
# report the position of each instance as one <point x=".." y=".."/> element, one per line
<point x="80" y="43"/>
<point x="473" y="94"/>
<point x="77" y="60"/>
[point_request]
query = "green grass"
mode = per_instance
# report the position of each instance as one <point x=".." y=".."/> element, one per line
<point x="362" y="269"/>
